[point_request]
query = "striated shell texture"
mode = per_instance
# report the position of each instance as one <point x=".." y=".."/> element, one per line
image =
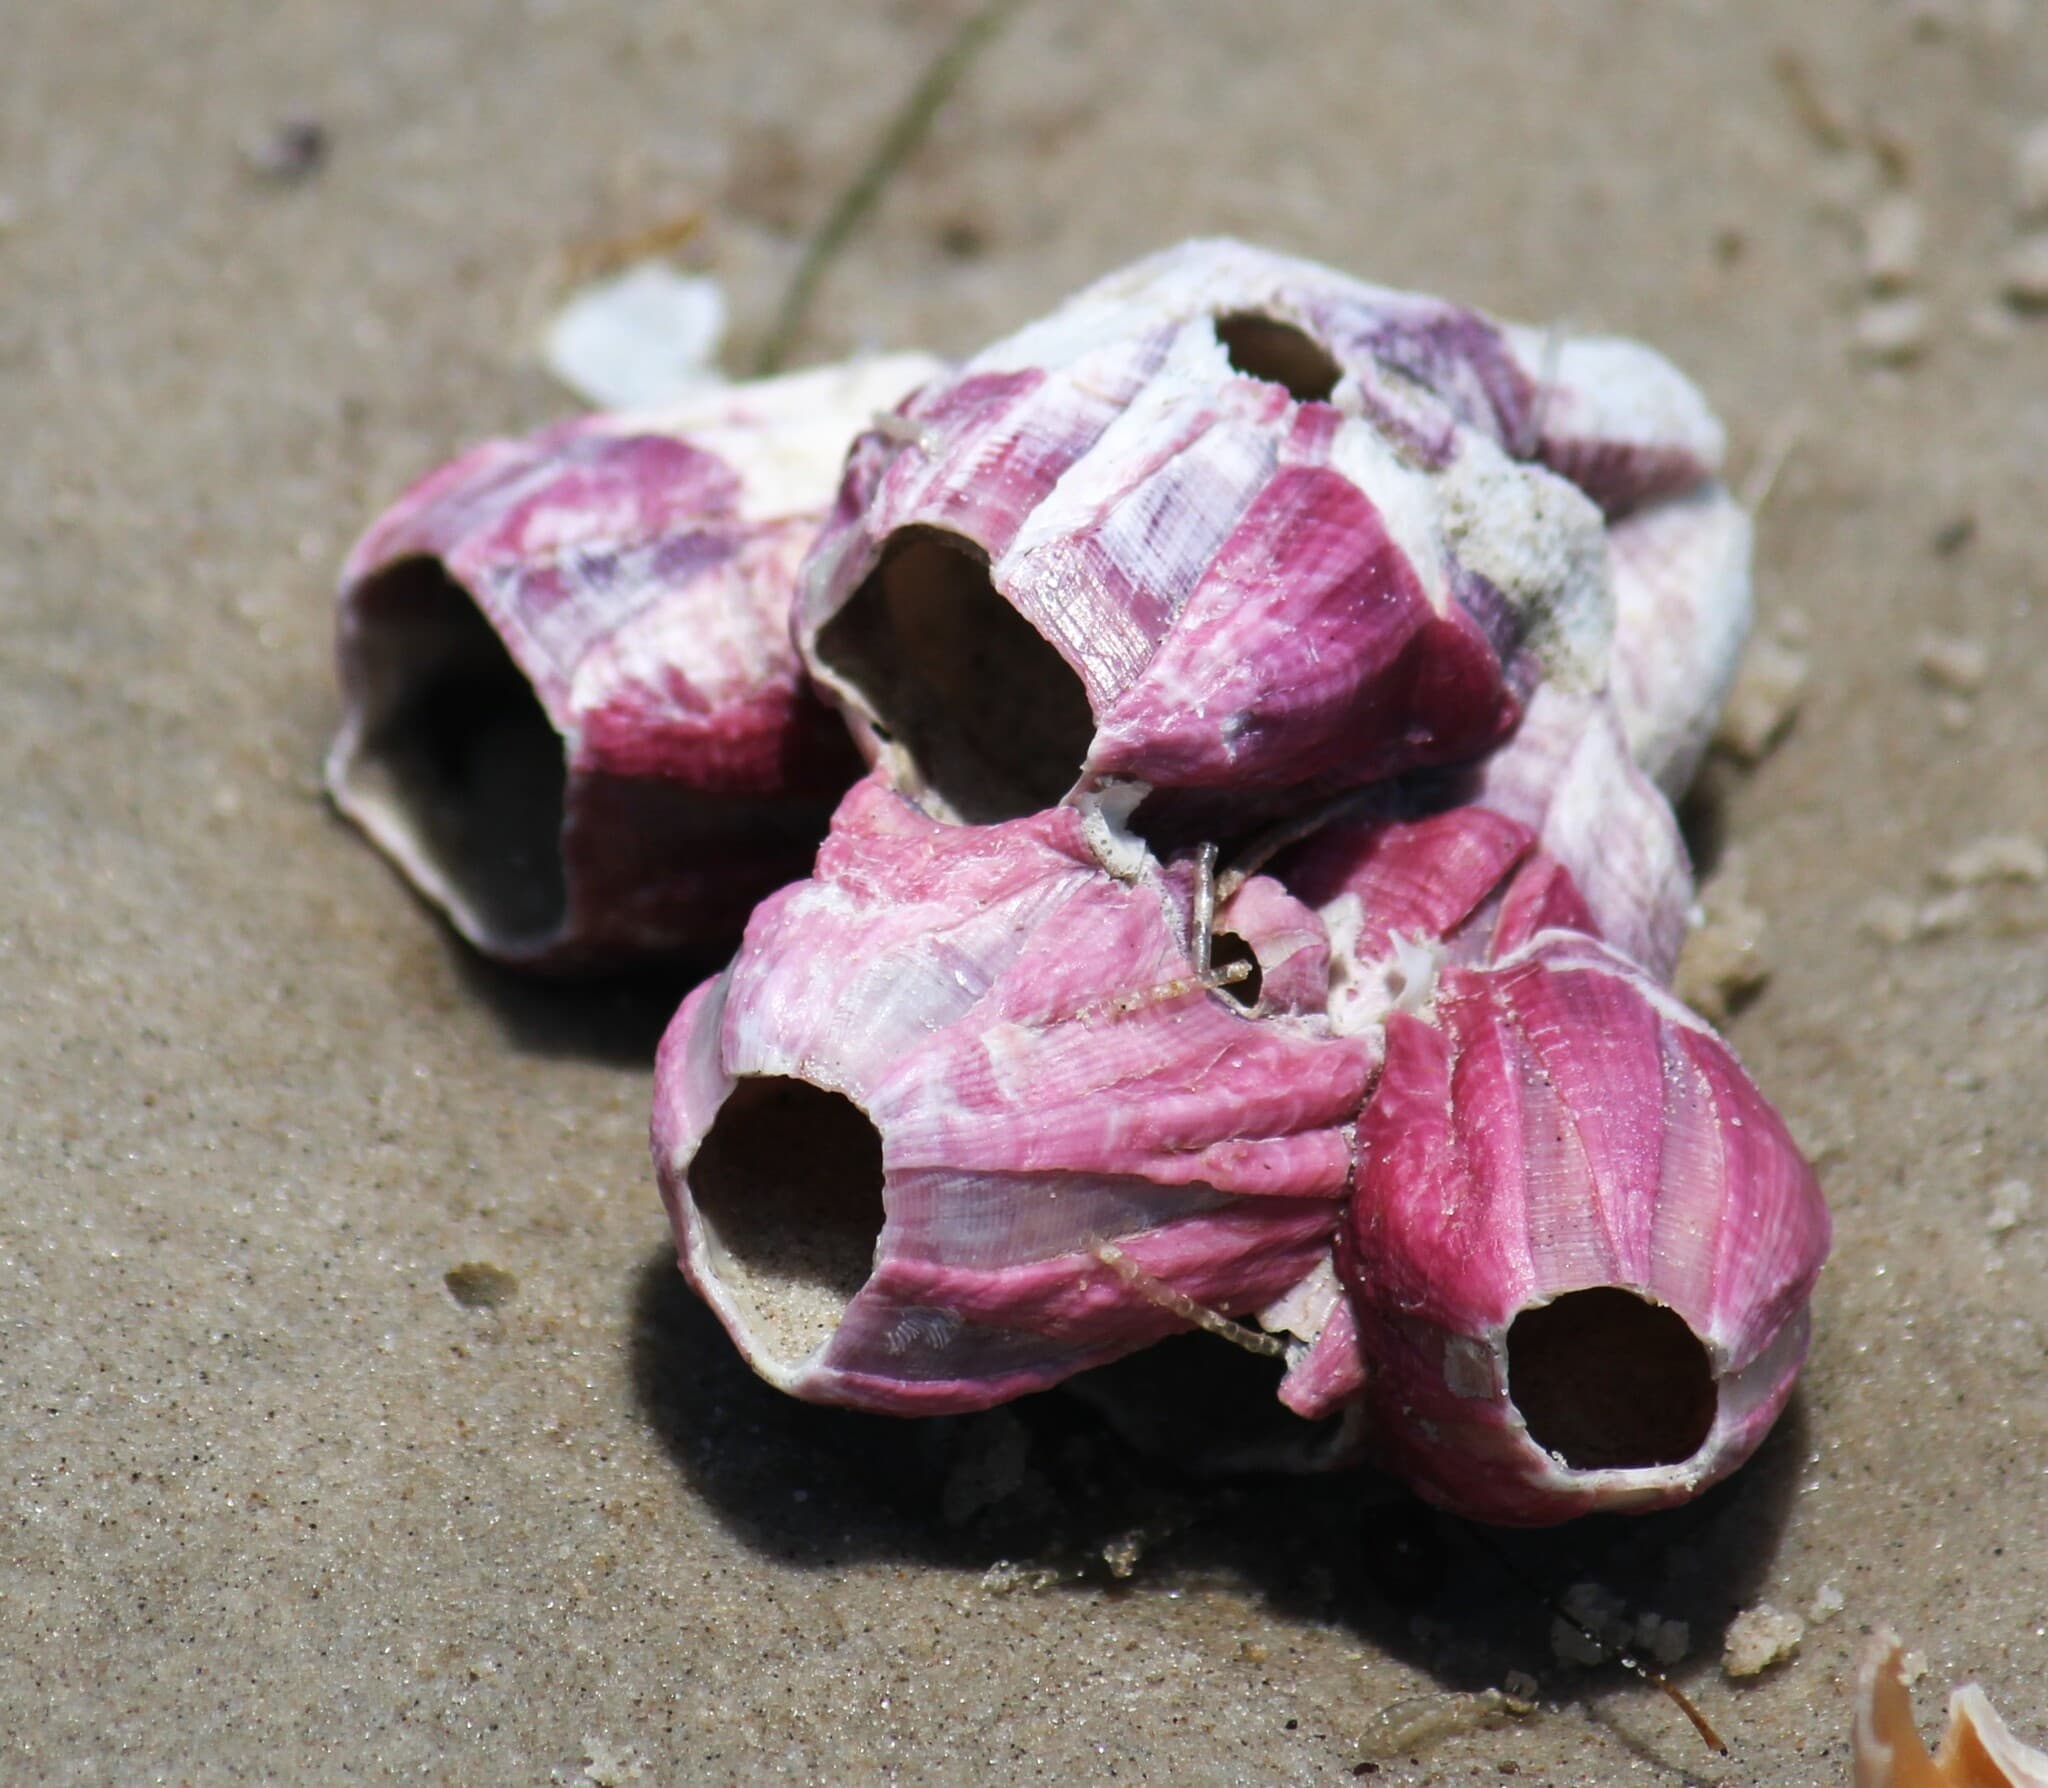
<point x="1229" y="530"/>
<point x="572" y="714"/>
<point x="896" y="1136"/>
<point x="1580" y="1243"/>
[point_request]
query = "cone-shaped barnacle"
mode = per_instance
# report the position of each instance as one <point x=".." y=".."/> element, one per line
<point x="1581" y="1244"/>
<point x="571" y="711"/>
<point x="964" y="1116"/>
<point x="1229" y="529"/>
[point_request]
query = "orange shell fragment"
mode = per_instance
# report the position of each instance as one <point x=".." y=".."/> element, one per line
<point x="1976" y="1750"/>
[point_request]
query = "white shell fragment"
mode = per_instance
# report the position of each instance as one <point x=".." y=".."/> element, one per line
<point x="1759" y="1637"/>
<point x="644" y="338"/>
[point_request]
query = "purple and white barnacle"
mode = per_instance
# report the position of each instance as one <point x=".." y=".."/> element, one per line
<point x="964" y="1117"/>
<point x="1409" y="623"/>
<point x="1579" y="1249"/>
<point x="1229" y="530"/>
<point x="571" y="711"/>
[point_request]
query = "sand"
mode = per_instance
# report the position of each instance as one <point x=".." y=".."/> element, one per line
<point x="280" y="1506"/>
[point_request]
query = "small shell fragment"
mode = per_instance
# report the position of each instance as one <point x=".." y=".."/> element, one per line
<point x="2025" y="276"/>
<point x="1976" y="1749"/>
<point x="640" y="340"/>
<point x="2012" y="1202"/>
<point x="2030" y="174"/>
<point x="1765" y="700"/>
<point x="1894" y="239"/>
<point x="1759" y="1637"/>
<point x="1997" y="857"/>
<point x="1953" y="662"/>
<point x="1893" y="330"/>
<point x="1724" y="961"/>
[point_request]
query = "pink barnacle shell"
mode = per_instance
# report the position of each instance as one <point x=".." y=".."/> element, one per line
<point x="942" y="1074"/>
<point x="1682" y="611"/>
<point x="571" y="710"/>
<point x="1581" y="1245"/>
<point x="1227" y="526"/>
<point x="1567" y="776"/>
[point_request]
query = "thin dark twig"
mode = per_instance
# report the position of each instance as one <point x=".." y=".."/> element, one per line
<point x="906" y="130"/>
<point x="1621" y="1655"/>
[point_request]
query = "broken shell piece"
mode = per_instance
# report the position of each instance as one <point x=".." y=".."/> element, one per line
<point x="962" y="1119"/>
<point x="1231" y="522"/>
<point x="1580" y="1247"/>
<point x="1759" y="1638"/>
<point x="571" y="711"/>
<point x="1976" y="1751"/>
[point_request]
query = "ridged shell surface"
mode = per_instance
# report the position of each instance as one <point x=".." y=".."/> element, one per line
<point x="572" y="712"/>
<point x="1022" y="1040"/>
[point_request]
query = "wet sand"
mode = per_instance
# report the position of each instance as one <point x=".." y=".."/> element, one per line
<point x="281" y="1507"/>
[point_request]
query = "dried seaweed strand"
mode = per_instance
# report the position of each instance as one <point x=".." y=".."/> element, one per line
<point x="1156" y="1290"/>
<point x="1124" y="1004"/>
<point x="1620" y="1654"/>
<point x="1202" y="924"/>
<point x="906" y="130"/>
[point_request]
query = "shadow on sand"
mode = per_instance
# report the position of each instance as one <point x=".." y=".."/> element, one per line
<point x="1050" y="1484"/>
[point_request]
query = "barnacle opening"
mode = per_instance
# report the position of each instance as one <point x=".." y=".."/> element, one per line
<point x="1608" y="1381"/>
<point x="995" y="718"/>
<point x="455" y="756"/>
<point x="788" y="1186"/>
<point x="1227" y="948"/>
<point x="1266" y="348"/>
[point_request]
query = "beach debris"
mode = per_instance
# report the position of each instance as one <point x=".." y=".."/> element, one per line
<point x="287" y="151"/>
<point x="1954" y="662"/>
<point x="1893" y="330"/>
<point x="1758" y="1638"/>
<point x="1724" y="963"/>
<point x="1945" y="914"/>
<point x="1996" y="857"/>
<point x="2024" y="277"/>
<point x="1827" y="1602"/>
<point x="2011" y="1204"/>
<point x="1889" y="918"/>
<point x="607" y="1765"/>
<point x="1765" y="700"/>
<point x="478" y="1285"/>
<point x="1593" y="1626"/>
<point x="571" y="712"/>
<point x="640" y="339"/>
<point x="1005" y="1577"/>
<point x="1894" y="241"/>
<point x="2030" y="174"/>
<point x="1977" y="1751"/>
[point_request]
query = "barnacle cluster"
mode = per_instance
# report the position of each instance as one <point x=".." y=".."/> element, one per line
<point x="1260" y="901"/>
